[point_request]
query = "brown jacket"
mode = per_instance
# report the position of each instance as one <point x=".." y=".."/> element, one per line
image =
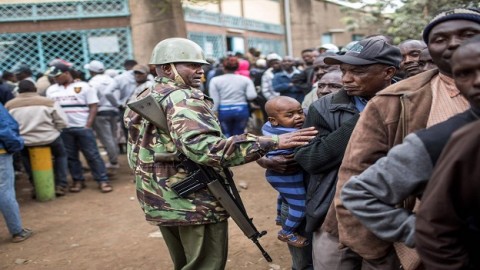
<point x="446" y="230"/>
<point x="393" y="113"/>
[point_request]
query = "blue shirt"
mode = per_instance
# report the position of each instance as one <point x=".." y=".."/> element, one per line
<point x="360" y="103"/>
<point x="10" y="138"/>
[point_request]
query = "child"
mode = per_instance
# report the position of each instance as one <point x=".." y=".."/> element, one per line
<point x="285" y="114"/>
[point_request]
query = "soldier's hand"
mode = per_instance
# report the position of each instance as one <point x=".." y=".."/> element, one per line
<point x="297" y="138"/>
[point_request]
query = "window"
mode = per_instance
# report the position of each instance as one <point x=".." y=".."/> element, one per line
<point x="327" y="38"/>
<point x="236" y="45"/>
<point x="357" y="37"/>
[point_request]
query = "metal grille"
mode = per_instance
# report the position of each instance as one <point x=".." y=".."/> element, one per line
<point x="267" y="46"/>
<point x="213" y="45"/>
<point x="219" y="19"/>
<point x="111" y="46"/>
<point x="63" y="10"/>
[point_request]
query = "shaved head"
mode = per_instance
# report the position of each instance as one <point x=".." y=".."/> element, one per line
<point x="276" y="104"/>
<point x="285" y="112"/>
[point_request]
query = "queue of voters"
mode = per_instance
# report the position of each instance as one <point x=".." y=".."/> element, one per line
<point x="371" y="148"/>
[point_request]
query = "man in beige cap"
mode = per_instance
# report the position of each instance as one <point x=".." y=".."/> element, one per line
<point x="143" y="78"/>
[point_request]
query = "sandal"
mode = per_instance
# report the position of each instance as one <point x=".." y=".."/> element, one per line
<point x="22" y="236"/>
<point x="293" y="239"/>
<point x="77" y="186"/>
<point x="105" y="187"/>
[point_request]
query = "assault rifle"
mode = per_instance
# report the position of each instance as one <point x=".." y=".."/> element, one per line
<point x="201" y="176"/>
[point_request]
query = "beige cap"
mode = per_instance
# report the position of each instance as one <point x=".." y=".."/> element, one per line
<point x="141" y="68"/>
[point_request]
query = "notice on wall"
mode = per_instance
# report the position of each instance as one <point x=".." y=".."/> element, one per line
<point x="208" y="48"/>
<point x="103" y="44"/>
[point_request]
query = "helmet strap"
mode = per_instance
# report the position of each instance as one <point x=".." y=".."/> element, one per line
<point x="178" y="78"/>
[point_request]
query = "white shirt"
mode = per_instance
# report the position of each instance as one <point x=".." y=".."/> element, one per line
<point x="74" y="100"/>
<point x="267" y="88"/>
<point x="100" y="82"/>
<point x="122" y="87"/>
<point x="231" y="89"/>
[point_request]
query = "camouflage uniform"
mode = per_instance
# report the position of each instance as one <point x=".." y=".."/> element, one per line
<point x="194" y="131"/>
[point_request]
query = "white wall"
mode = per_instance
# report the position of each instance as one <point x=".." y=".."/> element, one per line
<point x="263" y="10"/>
<point x="232" y="7"/>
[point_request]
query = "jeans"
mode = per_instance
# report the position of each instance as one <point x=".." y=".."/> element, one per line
<point x="60" y="162"/>
<point x="105" y="126"/>
<point x="8" y="202"/>
<point x="82" y="139"/>
<point x="233" y="119"/>
<point x="301" y="257"/>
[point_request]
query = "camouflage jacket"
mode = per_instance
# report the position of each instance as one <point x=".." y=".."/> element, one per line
<point x="194" y="131"/>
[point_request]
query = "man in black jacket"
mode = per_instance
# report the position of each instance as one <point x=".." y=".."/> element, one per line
<point x="366" y="69"/>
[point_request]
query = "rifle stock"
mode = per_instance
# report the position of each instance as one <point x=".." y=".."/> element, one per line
<point x="149" y="109"/>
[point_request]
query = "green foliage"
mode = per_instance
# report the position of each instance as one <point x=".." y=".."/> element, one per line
<point x="406" y="22"/>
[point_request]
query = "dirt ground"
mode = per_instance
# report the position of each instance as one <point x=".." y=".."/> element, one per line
<point x="90" y="230"/>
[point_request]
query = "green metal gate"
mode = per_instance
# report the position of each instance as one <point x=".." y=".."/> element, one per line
<point x="109" y="45"/>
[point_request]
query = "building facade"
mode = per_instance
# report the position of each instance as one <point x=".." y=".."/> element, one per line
<point x="37" y="31"/>
<point x="236" y="25"/>
<point x="317" y="22"/>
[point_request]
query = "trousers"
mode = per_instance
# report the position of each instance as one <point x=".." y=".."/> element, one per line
<point x="327" y="255"/>
<point x="60" y="162"/>
<point x="105" y="126"/>
<point x="197" y="247"/>
<point x="8" y="202"/>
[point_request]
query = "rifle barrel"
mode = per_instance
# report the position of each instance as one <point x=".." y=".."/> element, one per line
<point x="264" y="253"/>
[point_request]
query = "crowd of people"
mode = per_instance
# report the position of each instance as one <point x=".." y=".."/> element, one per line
<point x="381" y="192"/>
<point x="67" y="113"/>
<point x="372" y="148"/>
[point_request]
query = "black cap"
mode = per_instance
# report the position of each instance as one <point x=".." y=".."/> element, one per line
<point x="468" y="14"/>
<point x="57" y="69"/>
<point x="367" y="52"/>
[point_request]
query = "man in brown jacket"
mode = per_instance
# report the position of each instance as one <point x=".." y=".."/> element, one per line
<point x="447" y="227"/>
<point x="367" y="68"/>
<point x="417" y="102"/>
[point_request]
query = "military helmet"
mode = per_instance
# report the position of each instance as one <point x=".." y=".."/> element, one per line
<point x="175" y="50"/>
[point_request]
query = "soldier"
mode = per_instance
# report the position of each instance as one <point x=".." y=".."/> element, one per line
<point x="195" y="228"/>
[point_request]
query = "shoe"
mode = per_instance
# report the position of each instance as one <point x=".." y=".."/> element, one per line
<point x="22" y="236"/>
<point x="293" y="239"/>
<point x="105" y="187"/>
<point x="112" y="165"/>
<point x="77" y="186"/>
<point x="60" y="191"/>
